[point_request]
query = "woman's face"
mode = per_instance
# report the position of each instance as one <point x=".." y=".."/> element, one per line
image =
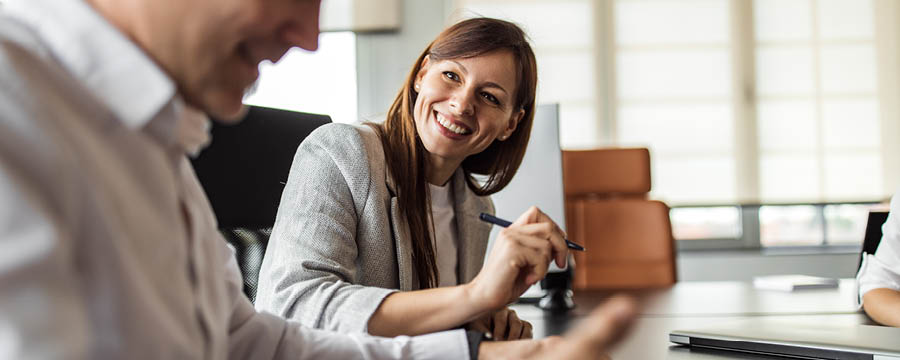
<point x="465" y="104"/>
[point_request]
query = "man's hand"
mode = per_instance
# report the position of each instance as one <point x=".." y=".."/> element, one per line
<point x="518" y="259"/>
<point x="503" y="324"/>
<point x="590" y="340"/>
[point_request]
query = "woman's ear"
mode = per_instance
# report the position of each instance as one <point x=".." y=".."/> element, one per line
<point x="513" y="123"/>
<point x="426" y="62"/>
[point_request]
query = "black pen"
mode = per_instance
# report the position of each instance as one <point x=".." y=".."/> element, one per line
<point x="500" y="222"/>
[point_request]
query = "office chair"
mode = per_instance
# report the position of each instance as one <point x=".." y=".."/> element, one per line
<point x="243" y="173"/>
<point x="873" y="234"/>
<point x="628" y="238"/>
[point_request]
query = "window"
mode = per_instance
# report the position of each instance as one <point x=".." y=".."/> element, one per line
<point x="792" y="104"/>
<point x="759" y="102"/>
<point x="322" y="82"/>
<point x="771" y="101"/>
<point x="562" y="36"/>
<point x="816" y="66"/>
<point x="699" y="223"/>
<point x="785" y="225"/>
<point x="674" y="94"/>
<point x="790" y="225"/>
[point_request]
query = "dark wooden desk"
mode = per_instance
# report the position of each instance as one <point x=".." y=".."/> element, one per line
<point x="700" y="304"/>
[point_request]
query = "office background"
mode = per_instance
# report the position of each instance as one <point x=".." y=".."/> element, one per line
<point x="773" y="125"/>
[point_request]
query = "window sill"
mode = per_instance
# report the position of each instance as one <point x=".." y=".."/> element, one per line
<point x="776" y="251"/>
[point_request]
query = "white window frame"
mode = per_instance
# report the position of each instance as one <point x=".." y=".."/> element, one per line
<point x="746" y="151"/>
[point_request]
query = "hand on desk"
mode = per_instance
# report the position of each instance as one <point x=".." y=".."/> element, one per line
<point x="589" y="340"/>
<point x="503" y="324"/>
<point x="519" y="258"/>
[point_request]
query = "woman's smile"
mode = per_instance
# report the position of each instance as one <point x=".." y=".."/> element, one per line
<point x="450" y="128"/>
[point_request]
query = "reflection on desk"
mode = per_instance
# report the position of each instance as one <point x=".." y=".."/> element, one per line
<point x="698" y="304"/>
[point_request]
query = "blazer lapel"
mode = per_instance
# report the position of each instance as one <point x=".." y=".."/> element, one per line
<point x="473" y="233"/>
<point x="402" y="241"/>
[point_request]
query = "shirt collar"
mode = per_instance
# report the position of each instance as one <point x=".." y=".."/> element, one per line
<point x="100" y="56"/>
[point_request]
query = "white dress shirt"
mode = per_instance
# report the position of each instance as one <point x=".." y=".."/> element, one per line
<point x="108" y="246"/>
<point x="882" y="269"/>
<point x="445" y="238"/>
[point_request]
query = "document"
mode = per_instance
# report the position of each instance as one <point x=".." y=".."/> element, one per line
<point x="793" y="282"/>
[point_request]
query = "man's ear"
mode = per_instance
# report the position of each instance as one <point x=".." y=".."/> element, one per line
<point x="513" y="123"/>
<point x="426" y="62"/>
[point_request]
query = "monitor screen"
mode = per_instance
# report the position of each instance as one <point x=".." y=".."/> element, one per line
<point x="539" y="180"/>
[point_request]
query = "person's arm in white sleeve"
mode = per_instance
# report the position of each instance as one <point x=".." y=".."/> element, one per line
<point x="42" y="313"/>
<point x="879" y="276"/>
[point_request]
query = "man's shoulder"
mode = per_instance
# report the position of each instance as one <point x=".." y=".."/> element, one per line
<point x="17" y="40"/>
<point x="25" y="61"/>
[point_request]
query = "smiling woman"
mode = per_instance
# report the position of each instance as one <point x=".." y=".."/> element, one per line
<point x="376" y="208"/>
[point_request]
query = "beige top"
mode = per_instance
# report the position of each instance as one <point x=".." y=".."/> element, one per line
<point x="445" y="238"/>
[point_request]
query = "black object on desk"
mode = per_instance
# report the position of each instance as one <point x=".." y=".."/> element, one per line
<point x="557" y="291"/>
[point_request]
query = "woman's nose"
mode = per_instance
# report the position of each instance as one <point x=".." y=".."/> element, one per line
<point x="461" y="103"/>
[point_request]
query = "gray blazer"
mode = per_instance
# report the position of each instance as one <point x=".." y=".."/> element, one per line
<point x="340" y="243"/>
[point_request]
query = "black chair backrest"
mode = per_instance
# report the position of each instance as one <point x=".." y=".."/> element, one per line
<point x="243" y="173"/>
<point x="873" y="234"/>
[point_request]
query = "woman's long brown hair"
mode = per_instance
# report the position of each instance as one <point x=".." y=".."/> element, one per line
<point x="406" y="156"/>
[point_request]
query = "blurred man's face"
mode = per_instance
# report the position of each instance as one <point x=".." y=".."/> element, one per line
<point x="212" y="48"/>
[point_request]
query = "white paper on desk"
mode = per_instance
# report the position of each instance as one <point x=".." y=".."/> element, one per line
<point x="793" y="282"/>
<point x="533" y="292"/>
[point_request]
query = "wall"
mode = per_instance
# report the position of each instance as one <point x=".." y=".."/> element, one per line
<point x="384" y="59"/>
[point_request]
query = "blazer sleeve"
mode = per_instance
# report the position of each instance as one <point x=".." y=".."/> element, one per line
<point x="309" y="269"/>
<point x="260" y="335"/>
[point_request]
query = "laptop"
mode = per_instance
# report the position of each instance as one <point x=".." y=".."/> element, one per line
<point x="796" y="339"/>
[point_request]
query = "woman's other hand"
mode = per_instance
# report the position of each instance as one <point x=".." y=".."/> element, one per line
<point x="503" y="324"/>
<point x="591" y="339"/>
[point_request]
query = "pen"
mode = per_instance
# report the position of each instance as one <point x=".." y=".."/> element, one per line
<point x="500" y="222"/>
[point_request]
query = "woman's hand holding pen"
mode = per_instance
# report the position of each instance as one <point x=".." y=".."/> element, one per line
<point x="519" y="258"/>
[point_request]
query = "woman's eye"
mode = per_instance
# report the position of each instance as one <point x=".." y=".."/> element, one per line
<point x="493" y="99"/>
<point x="451" y="75"/>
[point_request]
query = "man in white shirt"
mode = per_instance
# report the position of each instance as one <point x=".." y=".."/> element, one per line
<point x="879" y="276"/>
<point x="108" y="247"/>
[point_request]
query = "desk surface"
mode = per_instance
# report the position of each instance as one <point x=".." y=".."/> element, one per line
<point x="703" y="298"/>
<point x="699" y="304"/>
